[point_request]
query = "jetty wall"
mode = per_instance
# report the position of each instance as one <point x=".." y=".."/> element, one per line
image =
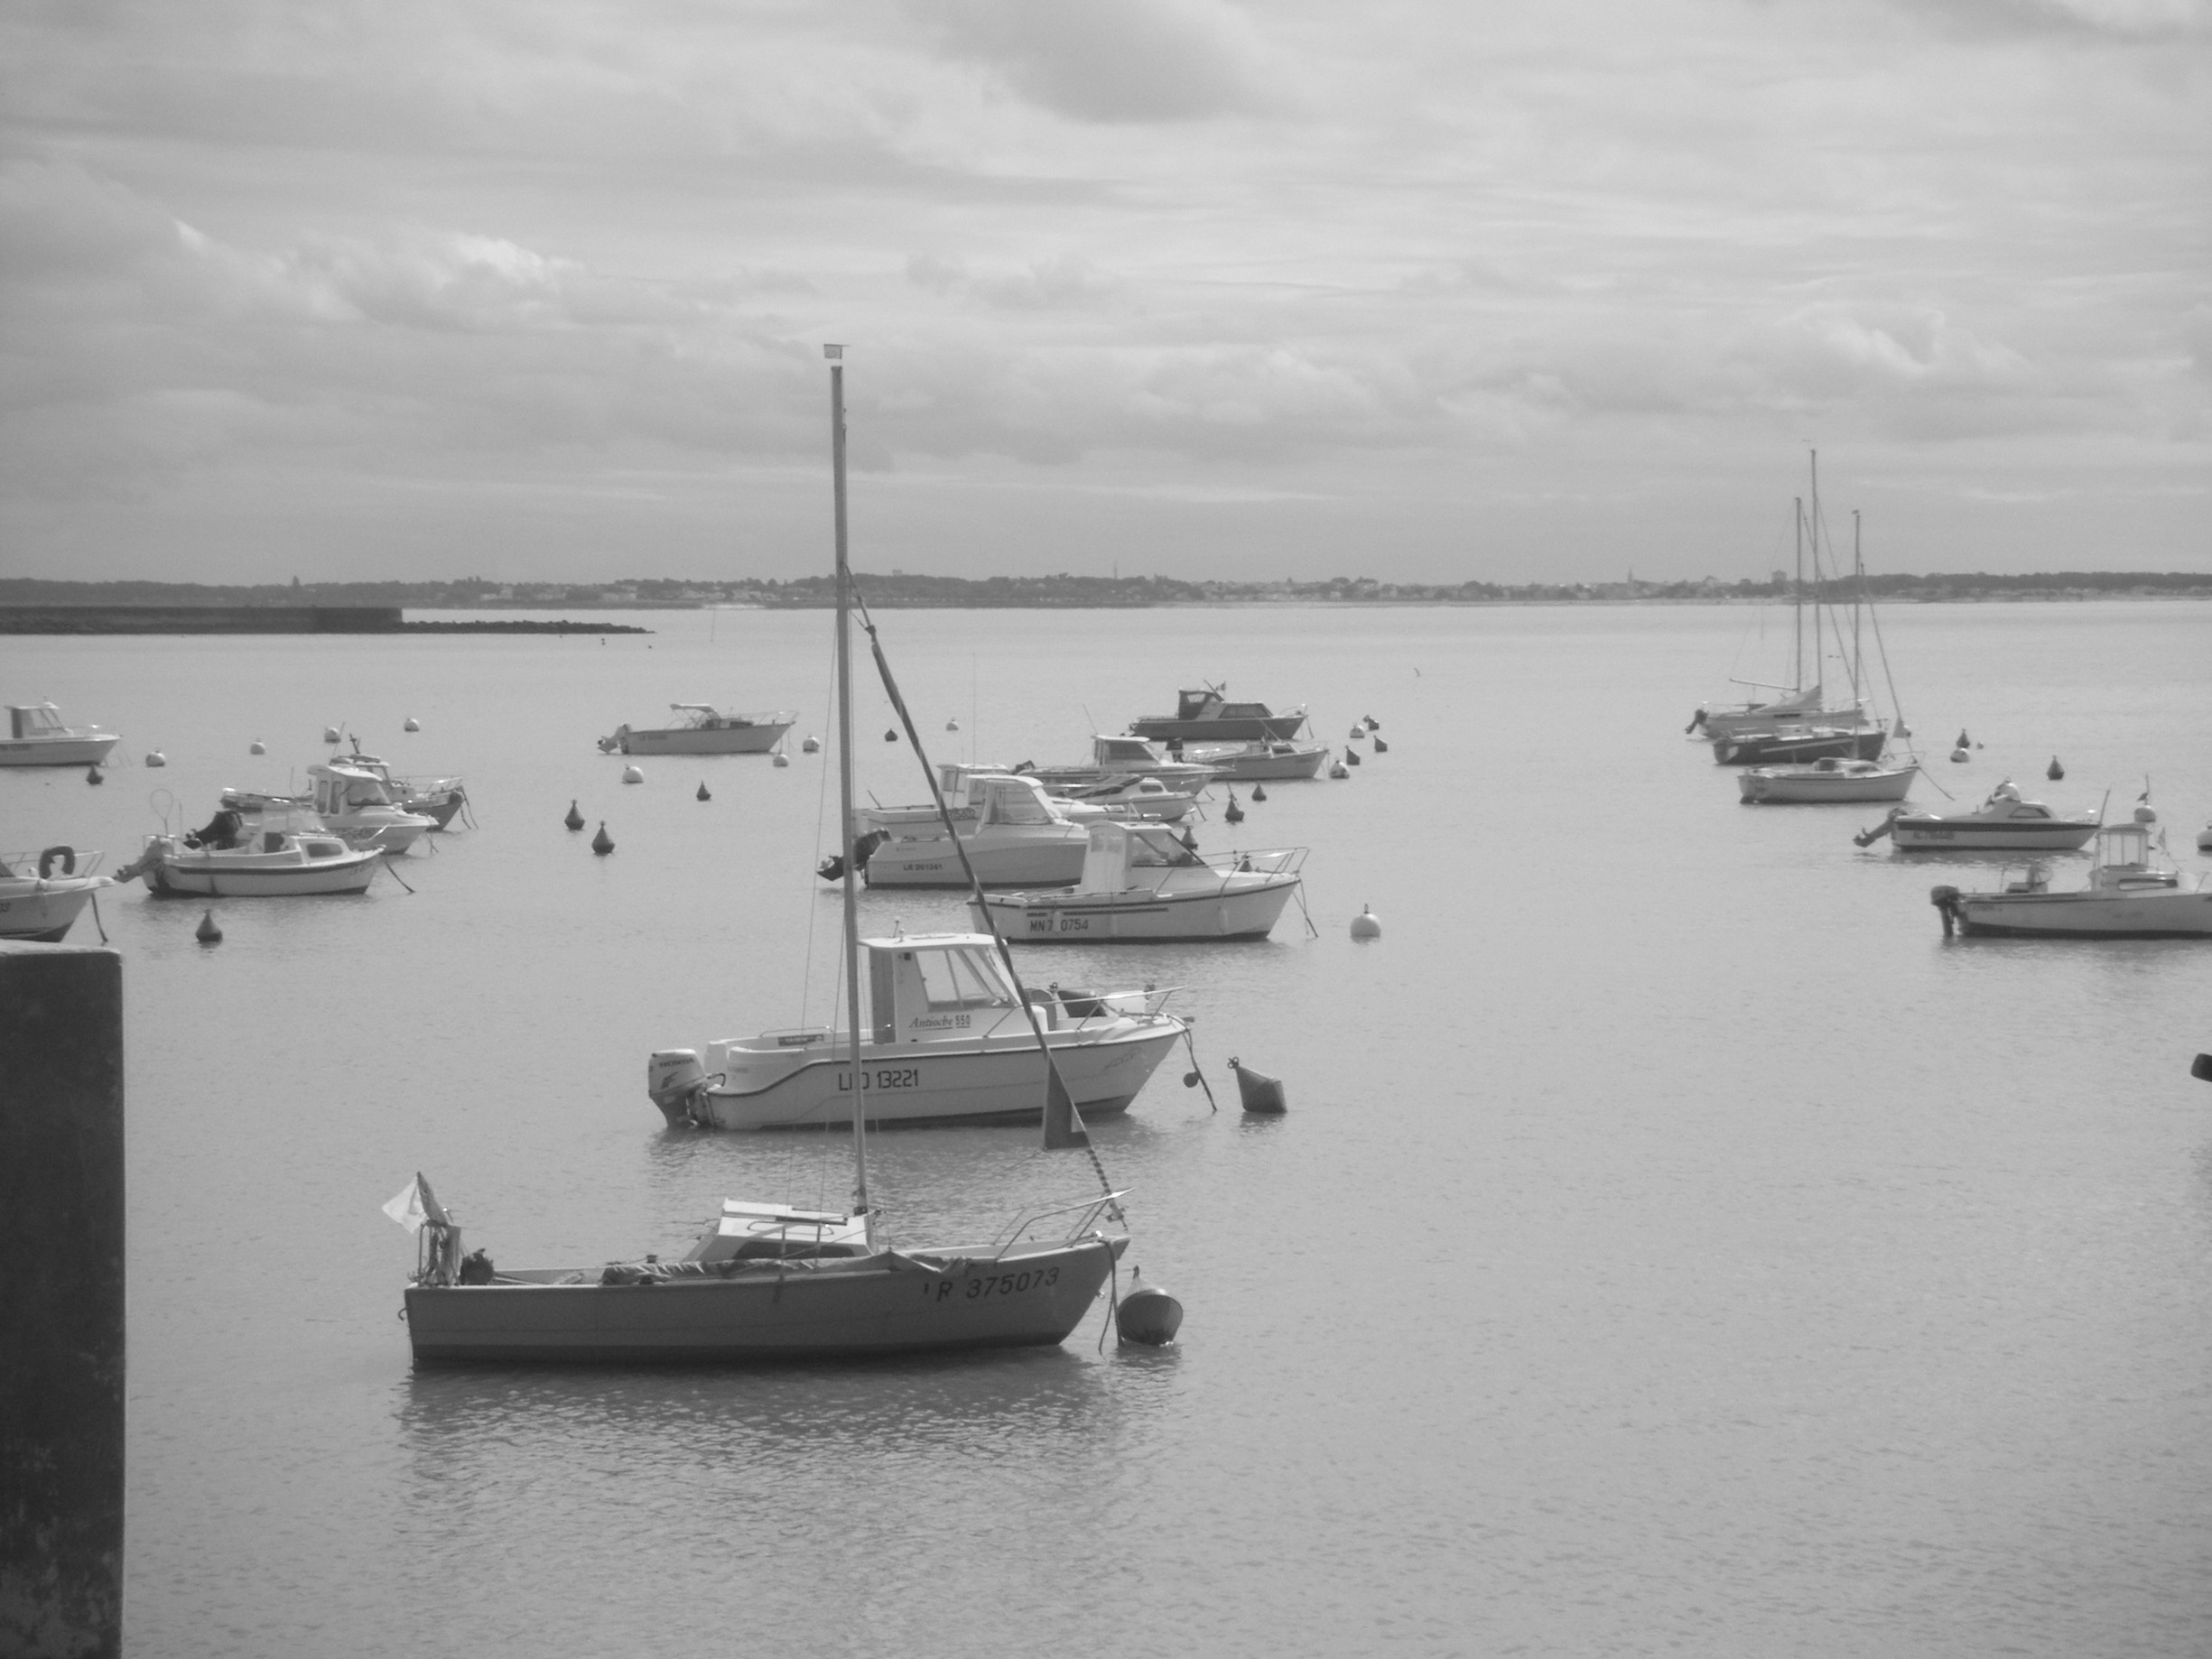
<point x="200" y="619"/>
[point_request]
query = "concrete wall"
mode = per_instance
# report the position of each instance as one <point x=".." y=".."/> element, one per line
<point x="62" y="1350"/>
<point x="200" y="619"/>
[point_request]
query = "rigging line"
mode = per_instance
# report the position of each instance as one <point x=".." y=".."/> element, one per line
<point x="813" y="911"/>
<point x="1006" y="953"/>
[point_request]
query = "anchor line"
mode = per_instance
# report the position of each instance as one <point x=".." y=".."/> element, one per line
<point x="96" y="917"/>
<point x="1113" y="1307"/>
<point x="975" y="885"/>
<point x="386" y="861"/>
<point x="1190" y="1045"/>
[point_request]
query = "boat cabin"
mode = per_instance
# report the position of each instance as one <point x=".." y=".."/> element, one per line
<point x="1124" y="856"/>
<point x="341" y="789"/>
<point x="706" y="717"/>
<point x="1126" y="753"/>
<point x="38" y="721"/>
<point x="933" y="985"/>
<point x="1208" y="704"/>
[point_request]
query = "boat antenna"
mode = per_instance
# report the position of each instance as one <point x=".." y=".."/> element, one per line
<point x="835" y="354"/>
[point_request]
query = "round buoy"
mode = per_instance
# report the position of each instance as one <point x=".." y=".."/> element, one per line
<point x="809" y="744"/>
<point x="703" y="795"/>
<point x="207" y="933"/>
<point x="1960" y="753"/>
<point x="330" y="734"/>
<point x="411" y="724"/>
<point x="154" y="757"/>
<point x="602" y="843"/>
<point x="632" y="774"/>
<point x="952" y="725"/>
<point x="1381" y="747"/>
<point x="1235" y="813"/>
<point x="1259" y="791"/>
<point x="2204" y="839"/>
<point x="1365" y="926"/>
<point x="890" y="735"/>
<point x="575" y="820"/>
<point x="1358" y="732"/>
<point x="256" y="747"/>
<point x="2054" y="772"/>
<point x="782" y="759"/>
<point x="1149" y="1315"/>
<point x="1337" y="769"/>
<point x="1259" y="1092"/>
<point x="2144" y="815"/>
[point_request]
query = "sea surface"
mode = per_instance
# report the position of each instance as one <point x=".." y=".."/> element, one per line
<point x="1675" y="1245"/>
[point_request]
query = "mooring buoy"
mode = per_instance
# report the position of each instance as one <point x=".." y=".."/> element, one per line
<point x="1960" y="753"/>
<point x="2054" y="772"/>
<point x="154" y="757"/>
<point x="1259" y="791"/>
<point x="1365" y="926"/>
<point x="632" y="774"/>
<point x="575" y="820"/>
<point x="703" y="795"/>
<point x="1337" y="769"/>
<point x="330" y="734"/>
<point x="1358" y="732"/>
<point x="1258" y="1091"/>
<point x="1352" y="757"/>
<point x="207" y="933"/>
<point x="256" y="747"/>
<point x="1372" y="724"/>
<point x="602" y="843"/>
<point x="809" y="744"/>
<point x="92" y="774"/>
<point x="890" y="734"/>
<point x="1149" y="1315"/>
<point x="411" y="724"/>
<point x="1235" y="813"/>
<point x="952" y="725"/>
<point x="781" y="758"/>
<point x="1190" y="841"/>
<point x="1381" y="747"/>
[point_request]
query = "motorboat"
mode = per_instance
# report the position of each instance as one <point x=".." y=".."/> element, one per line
<point x="439" y="800"/>
<point x="1828" y="780"/>
<point x="354" y="805"/>
<point x="1801" y="746"/>
<point x="703" y="729"/>
<point x="1114" y="757"/>
<point x="1207" y="716"/>
<point x="41" y="894"/>
<point x="2131" y="894"/>
<point x="949" y="1039"/>
<point x="280" y="854"/>
<point x="1791" y="710"/>
<point x="1278" y="758"/>
<point x="762" y="1282"/>
<point x="2005" y="822"/>
<point x="1144" y="797"/>
<point x="1012" y="832"/>
<point x="37" y="737"/>
<point x="1140" y="882"/>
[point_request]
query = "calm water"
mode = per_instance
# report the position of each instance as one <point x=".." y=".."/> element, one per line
<point x="1673" y="1246"/>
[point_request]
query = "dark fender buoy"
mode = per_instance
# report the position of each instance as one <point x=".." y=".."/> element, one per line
<point x="1149" y="1315"/>
<point x="703" y="795"/>
<point x="1235" y="814"/>
<point x="602" y="843"/>
<point x="92" y="774"/>
<point x="1963" y="742"/>
<point x="1372" y="724"/>
<point x="1258" y="1091"/>
<point x="2054" y="772"/>
<point x="1352" y="757"/>
<point x="207" y="933"/>
<point x="575" y="820"/>
<point x="1259" y="791"/>
<point x="890" y="736"/>
<point x="1381" y="747"/>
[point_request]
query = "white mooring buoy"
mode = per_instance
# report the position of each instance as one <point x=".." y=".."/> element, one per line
<point x="154" y="757"/>
<point x="330" y="734"/>
<point x="1365" y="926"/>
<point x="809" y="744"/>
<point x="411" y="724"/>
<point x="782" y="759"/>
<point x="632" y="774"/>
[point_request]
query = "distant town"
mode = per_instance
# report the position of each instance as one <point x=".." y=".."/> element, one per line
<point x="902" y="590"/>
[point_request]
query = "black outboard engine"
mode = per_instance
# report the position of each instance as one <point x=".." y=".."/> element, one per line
<point x="220" y="833"/>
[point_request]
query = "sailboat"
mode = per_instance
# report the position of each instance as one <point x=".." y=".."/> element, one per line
<point x="1799" y="724"/>
<point x="767" y="1281"/>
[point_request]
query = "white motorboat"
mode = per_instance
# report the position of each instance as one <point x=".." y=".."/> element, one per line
<point x="703" y="729"/>
<point x="1014" y="834"/>
<point x="1140" y="882"/>
<point x="2129" y="895"/>
<point x="1144" y="797"/>
<point x="2003" y="823"/>
<point x="1278" y="758"/>
<point x="1828" y="780"/>
<point x="439" y="800"/>
<point x="353" y="803"/>
<point x="1114" y="757"/>
<point x="37" y="737"/>
<point x="41" y="895"/>
<point x="280" y="854"/>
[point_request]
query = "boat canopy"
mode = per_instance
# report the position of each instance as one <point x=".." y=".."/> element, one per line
<point x="1009" y="800"/>
<point x="344" y="788"/>
<point x="935" y="985"/>
<point x="1110" y="751"/>
<point x="1116" y="849"/>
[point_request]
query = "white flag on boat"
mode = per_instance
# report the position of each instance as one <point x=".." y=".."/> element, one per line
<point x="415" y="1204"/>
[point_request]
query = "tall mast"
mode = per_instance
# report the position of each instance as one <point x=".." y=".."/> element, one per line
<point x="1812" y="536"/>
<point x="845" y="798"/>
<point x="1796" y="602"/>
<point x="1858" y="601"/>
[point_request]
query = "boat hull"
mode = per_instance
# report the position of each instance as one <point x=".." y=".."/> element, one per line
<point x="1269" y="768"/>
<point x="933" y="863"/>
<point x="55" y="751"/>
<point x="187" y="878"/>
<point x="44" y="911"/>
<point x="1772" y="748"/>
<point x="1763" y="788"/>
<point x="996" y="1081"/>
<point x="1030" y="1295"/>
<point x="1937" y="835"/>
<point x="686" y="740"/>
<point x="1229" y="729"/>
<point x="1136" y="917"/>
<point x="2176" y="915"/>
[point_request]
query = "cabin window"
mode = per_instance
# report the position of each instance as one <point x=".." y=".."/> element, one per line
<point x="1009" y="808"/>
<point x="961" y="979"/>
<point x="2032" y="811"/>
<point x="324" y="850"/>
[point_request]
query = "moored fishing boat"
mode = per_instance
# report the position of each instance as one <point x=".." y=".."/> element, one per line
<point x="1139" y="883"/>
<point x="2005" y="822"/>
<point x="439" y="800"/>
<point x="42" y="893"/>
<point x="283" y="853"/>
<point x="1114" y="757"/>
<point x="1279" y="759"/>
<point x="2129" y="894"/>
<point x="703" y="729"/>
<point x="1207" y="716"/>
<point x="36" y="736"/>
<point x="1824" y="780"/>
<point x="353" y="803"/>
<point x="1012" y="832"/>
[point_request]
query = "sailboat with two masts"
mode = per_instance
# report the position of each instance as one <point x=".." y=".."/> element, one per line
<point x="771" y="1281"/>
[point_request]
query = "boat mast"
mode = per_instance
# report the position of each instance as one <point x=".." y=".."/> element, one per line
<point x="1796" y="602"/>
<point x="845" y="798"/>
<point x="1858" y="602"/>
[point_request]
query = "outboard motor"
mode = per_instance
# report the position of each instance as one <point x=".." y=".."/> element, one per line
<point x="674" y="1079"/>
<point x="1946" y="900"/>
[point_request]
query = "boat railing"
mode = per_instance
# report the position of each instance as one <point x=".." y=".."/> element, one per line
<point x="1258" y="861"/>
<point x="1086" y="1211"/>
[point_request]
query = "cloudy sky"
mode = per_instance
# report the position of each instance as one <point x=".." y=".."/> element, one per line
<point x="1421" y="289"/>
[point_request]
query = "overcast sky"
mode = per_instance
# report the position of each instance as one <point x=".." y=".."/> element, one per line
<point x="1420" y="289"/>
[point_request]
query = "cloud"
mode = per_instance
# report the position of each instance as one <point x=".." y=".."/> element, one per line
<point x="1109" y="61"/>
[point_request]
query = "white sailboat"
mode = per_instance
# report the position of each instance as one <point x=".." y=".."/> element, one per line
<point x="765" y="1282"/>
